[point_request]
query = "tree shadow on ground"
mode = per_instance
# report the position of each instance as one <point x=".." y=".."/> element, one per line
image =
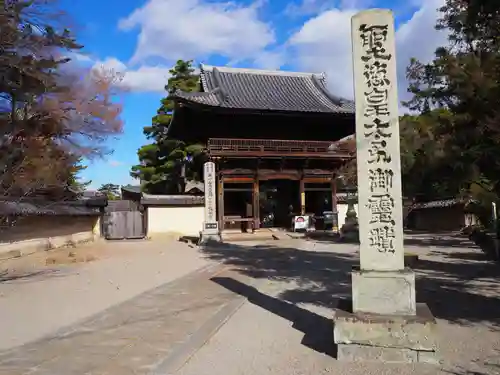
<point x="414" y="238"/>
<point x="317" y="329"/>
<point x="438" y="239"/>
<point x="459" y="290"/>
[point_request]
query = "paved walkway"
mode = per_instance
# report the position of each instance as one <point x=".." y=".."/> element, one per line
<point x="154" y="333"/>
<point x="286" y="328"/>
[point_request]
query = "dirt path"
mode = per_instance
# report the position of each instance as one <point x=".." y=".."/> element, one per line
<point x="37" y="299"/>
<point x="155" y="332"/>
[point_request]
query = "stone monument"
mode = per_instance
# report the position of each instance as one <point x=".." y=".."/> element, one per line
<point x="382" y="321"/>
<point x="210" y="231"/>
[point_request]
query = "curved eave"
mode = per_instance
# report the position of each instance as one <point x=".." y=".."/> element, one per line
<point x="203" y="106"/>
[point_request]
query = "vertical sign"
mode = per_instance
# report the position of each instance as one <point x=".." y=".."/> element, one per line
<point x="210" y="198"/>
<point x="377" y="139"/>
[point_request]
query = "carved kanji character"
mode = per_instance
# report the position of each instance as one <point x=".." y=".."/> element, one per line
<point x="380" y="180"/>
<point x="380" y="207"/>
<point x="382" y="238"/>
<point x="374" y="38"/>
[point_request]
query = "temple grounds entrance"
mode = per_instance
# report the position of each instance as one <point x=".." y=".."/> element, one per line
<point x="278" y="201"/>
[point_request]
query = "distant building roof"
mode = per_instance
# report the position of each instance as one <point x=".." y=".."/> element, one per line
<point x="91" y="194"/>
<point x="34" y="207"/>
<point x="191" y="185"/>
<point x="273" y="90"/>
<point x="132" y="189"/>
<point x="171" y="200"/>
<point x="443" y="203"/>
<point x="194" y="185"/>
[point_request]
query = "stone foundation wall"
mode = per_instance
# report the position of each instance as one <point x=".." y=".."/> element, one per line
<point x="32" y="233"/>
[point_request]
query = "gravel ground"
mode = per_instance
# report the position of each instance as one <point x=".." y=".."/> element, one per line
<point x="36" y="299"/>
<point x="286" y="326"/>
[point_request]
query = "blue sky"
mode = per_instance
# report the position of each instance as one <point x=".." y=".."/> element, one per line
<point x="143" y="39"/>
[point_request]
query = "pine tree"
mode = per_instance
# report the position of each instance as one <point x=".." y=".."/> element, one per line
<point x="166" y="162"/>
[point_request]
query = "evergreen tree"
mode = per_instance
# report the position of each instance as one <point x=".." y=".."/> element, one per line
<point x="165" y="162"/>
<point x="111" y="191"/>
<point x="463" y="80"/>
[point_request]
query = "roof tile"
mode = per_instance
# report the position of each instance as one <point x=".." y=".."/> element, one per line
<point x="277" y="90"/>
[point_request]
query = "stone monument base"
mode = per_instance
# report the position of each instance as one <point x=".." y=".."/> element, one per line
<point x="210" y="233"/>
<point x="384" y="292"/>
<point x="350" y="233"/>
<point x="384" y="338"/>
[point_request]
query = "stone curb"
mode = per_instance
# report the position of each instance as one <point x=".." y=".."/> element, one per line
<point x="185" y="351"/>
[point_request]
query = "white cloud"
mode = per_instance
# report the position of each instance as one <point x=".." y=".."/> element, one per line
<point x="323" y="44"/>
<point x="144" y="78"/>
<point x="201" y="29"/>
<point x="194" y="29"/>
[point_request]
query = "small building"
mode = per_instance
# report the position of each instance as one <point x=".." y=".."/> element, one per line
<point x="173" y="215"/>
<point x="441" y="215"/>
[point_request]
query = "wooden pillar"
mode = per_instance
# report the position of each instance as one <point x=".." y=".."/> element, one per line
<point x="335" y="226"/>
<point x="302" y="196"/>
<point x="220" y="191"/>
<point x="256" y="203"/>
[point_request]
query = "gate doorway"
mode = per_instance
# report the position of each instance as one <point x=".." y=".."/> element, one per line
<point x="279" y="201"/>
<point x="123" y="220"/>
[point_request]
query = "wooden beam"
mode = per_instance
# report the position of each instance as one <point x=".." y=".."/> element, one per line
<point x="256" y="204"/>
<point x="317" y="180"/>
<point x="226" y="190"/>
<point x="237" y="171"/>
<point x="317" y="188"/>
<point x="239" y="180"/>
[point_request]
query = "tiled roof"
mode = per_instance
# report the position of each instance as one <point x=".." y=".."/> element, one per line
<point x="74" y="208"/>
<point x="131" y="189"/>
<point x="237" y="88"/>
<point x="172" y="200"/>
<point x="192" y="185"/>
<point x="442" y="203"/>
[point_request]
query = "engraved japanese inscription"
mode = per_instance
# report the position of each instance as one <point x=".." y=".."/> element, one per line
<point x="209" y="176"/>
<point x="380" y="203"/>
<point x="377" y="141"/>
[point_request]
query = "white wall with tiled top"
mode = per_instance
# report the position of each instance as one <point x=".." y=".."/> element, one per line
<point x="34" y="233"/>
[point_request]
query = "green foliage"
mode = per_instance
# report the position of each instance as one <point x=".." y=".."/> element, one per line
<point x="73" y="179"/>
<point x="165" y="162"/>
<point x="112" y="191"/>
<point x="453" y="146"/>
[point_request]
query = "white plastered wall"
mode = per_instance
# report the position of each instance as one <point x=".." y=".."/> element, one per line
<point x="181" y="221"/>
<point x="342" y="209"/>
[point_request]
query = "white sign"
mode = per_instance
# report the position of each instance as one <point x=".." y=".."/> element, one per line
<point x="210" y="197"/>
<point x="301" y="222"/>
<point x="377" y="138"/>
